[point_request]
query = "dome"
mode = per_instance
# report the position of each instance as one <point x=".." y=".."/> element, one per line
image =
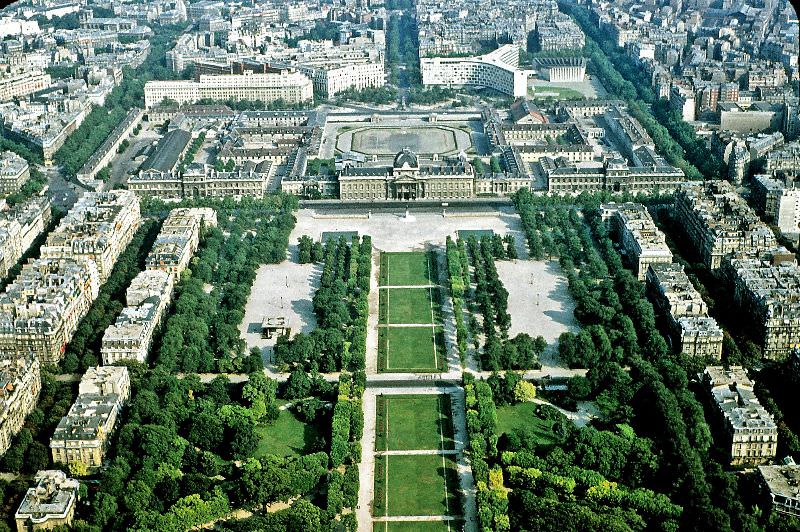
<point x="405" y="158"/>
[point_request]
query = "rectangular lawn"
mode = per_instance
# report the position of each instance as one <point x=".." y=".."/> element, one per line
<point x="402" y="349"/>
<point x="287" y="436"/>
<point x="523" y="416"/>
<point x="405" y="269"/>
<point x="413" y="422"/>
<point x="408" y="305"/>
<point x="423" y="484"/>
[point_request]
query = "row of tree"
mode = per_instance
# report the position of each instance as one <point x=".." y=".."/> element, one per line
<point x="341" y="307"/>
<point x="309" y="251"/>
<point x="458" y="275"/>
<point x="83" y="349"/>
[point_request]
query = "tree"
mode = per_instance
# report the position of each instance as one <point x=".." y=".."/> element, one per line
<point x="298" y="385"/>
<point x="524" y="391"/>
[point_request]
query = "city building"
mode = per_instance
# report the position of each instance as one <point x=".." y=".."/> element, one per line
<point x="178" y="239"/>
<point x="40" y="310"/>
<point x="20" y="385"/>
<point x="692" y="331"/>
<point x="407" y="179"/>
<point x="14" y="172"/>
<point x="106" y="152"/>
<point x="497" y="70"/>
<point x="203" y="181"/>
<point x="719" y="222"/>
<point x="20" y="226"/>
<point x="98" y="227"/>
<point x="49" y="504"/>
<point x="21" y="84"/>
<point x="564" y="69"/>
<point x="559" y="32"/>
<point x="81" y="438"/>
<point x="682" y="100"/>
<point x="290" y="87"/>
<point x="766" y="292"/>
<point x="131" y="335"/>
<point x="747" y="429"/>
<point x="641" y="241"/>
<point x="615" y="175"/>
<point x="782" y="484"/>
<point x="779" y="200"/>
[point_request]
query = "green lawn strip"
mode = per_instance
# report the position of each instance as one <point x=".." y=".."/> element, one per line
<point x="416" y="485"/>
<point x="417" y="526"/>
<point x="406" y="269"/>
<point x="411" y="305"/>
<point x="561" y="93"/>
<point x="415" y="422"/>
<point x="287" y="436"/>
<point x="411" y="349"/>
<point x="523" y="416"/>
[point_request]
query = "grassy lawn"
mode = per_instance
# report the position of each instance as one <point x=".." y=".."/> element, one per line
<point x="523" y="415"/>
<point x="560" y="93"/>
<point x="411" y="349"/>
<point x="464" y="234"/>
<point x="417" y="526"/>
<point x="288" y="436"/>
<point x="414" y="422"/>
<point x="408" y="305"/>
<point x="404" y="269"/>
<point x="416" y="484"/>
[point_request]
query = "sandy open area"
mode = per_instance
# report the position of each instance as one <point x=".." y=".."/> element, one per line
<point x="539" y="303"/>
<point x="284" y="289"/>
<point x="394" y="232"/>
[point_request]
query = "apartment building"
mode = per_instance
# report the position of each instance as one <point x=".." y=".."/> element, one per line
<point x="719" y="222"/>
<point x="21" y="84"/>
<point x="40" y="310"/>
<point x="498" y="70"/>
<point x="131" y="335"/>
<point x="98" y="227"/>
<point x="178" y="239"/>
<point x="747" y="429"/>
<point x="780" y="202"/>
<point x="20" y="226"/>
<point x="559" y="32"/>
<point x="692" y="331"/>
<point x="291" y="87"/>
<point x="14" y="172"/>
<point x="782" y="484"/>
<point x="49" y="504"/>
<point x="331" y="80"/>
<point x="767" y="293"/>
<point x="19" y="390"/>
<point x="642" y="243"/>
<point x="81" y="437"/>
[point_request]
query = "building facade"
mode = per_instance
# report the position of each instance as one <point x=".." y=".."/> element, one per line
<point x="14" y="172"/>
<point x="692" y="331"/>
<point x="291" y="87"/>
<point x="638" y="235"/>
<point x="82" y="436"/>
<point x="19" y="377"/>
<point x="498" y="70"/>
<point x="747" y="429"/>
